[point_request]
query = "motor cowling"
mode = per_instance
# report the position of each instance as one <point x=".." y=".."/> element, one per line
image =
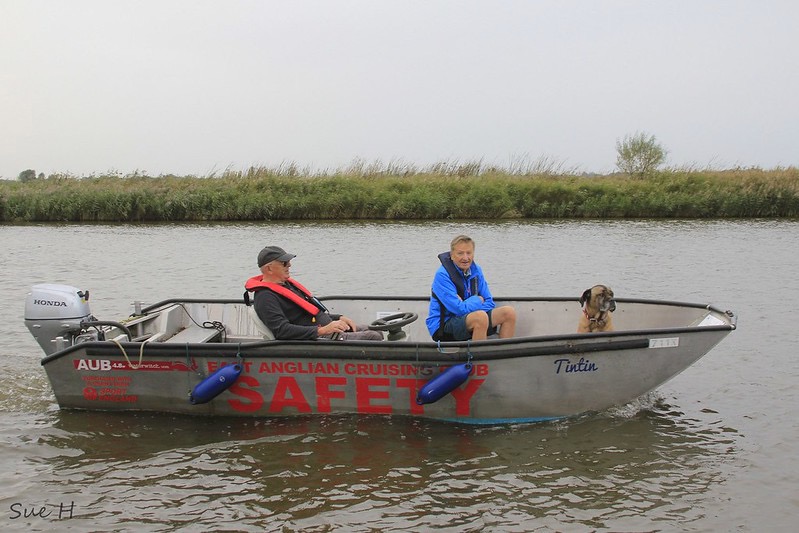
<point x="53" y="314"/>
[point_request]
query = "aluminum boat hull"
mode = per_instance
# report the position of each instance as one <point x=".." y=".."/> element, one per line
<point x="548" y="371"/>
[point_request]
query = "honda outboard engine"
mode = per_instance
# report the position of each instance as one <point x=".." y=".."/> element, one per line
<point x="53" y="314"/>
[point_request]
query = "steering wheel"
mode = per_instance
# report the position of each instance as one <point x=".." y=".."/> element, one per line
<point x="393" y="323"/>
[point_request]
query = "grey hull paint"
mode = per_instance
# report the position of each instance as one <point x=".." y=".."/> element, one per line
<point x="546" y="372"/>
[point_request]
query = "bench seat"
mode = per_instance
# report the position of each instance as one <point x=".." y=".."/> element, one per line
<point x="194" y="334"/>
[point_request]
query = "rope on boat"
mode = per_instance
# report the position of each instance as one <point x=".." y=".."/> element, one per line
<point x="188" y="366"/>
<point x="189" y="363"/>
<point x="141" y="354"/>
<point x="469" y="352"/>
<point x="214" y="324"/>
<point x="208" y="324"/>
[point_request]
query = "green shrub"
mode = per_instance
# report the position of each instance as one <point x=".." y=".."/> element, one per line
<point x="639" y="155"/>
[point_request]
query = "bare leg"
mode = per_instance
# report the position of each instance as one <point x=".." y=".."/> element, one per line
<point x="477" y="323"/>
<point x="505" y="318"/>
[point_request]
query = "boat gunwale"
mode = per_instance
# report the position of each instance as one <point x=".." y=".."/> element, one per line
<point x="442" y="352"/>
<point x="513" y="348"/>
<point x="673" y="303"/>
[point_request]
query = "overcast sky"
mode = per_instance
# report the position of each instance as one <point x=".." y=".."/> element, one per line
<point x="197" y="87"/>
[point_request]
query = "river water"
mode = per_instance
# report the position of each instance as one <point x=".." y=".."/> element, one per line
<point x="715" y="449"/>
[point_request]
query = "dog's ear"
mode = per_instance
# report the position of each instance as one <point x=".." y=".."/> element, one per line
<point x="586" y="296"/>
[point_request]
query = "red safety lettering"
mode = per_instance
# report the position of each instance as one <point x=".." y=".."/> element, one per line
<point x="288" y="394"/>
<point x="365" y="394"/>
<point x="255" y="400"/>
<point x="324" y="394"/>
<point x="463" y="396"/>
<point x="413" y="386"/>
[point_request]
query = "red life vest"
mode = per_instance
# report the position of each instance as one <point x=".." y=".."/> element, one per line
<point x="256" y="283"/>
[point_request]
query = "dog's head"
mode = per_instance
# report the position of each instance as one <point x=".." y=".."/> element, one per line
<point x="599" y="297"/>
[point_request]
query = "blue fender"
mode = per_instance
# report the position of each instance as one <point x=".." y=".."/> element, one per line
<point x="444" y="383"/>
<point x="215" y="384"/>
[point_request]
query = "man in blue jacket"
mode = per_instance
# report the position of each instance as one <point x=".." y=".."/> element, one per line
<point x="461" y="306"/>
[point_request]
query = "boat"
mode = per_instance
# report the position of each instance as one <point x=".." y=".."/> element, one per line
<point x="213" y="357"/>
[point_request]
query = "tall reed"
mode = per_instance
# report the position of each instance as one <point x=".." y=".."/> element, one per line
<point x="396" y="191"/>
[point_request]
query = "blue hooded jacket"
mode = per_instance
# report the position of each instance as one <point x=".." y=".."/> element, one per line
<point x="458" y="291"/>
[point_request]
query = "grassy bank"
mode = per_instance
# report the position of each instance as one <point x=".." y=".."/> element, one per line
<point x="445" y="193"/>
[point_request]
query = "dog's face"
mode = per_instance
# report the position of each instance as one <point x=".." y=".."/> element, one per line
<point x="599" y="297"/>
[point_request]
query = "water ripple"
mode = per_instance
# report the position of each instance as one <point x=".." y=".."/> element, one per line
<point x="712" y="450"/>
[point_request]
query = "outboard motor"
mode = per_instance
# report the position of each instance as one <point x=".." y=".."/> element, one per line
<point x="53" y="315"/>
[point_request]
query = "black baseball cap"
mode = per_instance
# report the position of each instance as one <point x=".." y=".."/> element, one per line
<point x="273" y="253"/>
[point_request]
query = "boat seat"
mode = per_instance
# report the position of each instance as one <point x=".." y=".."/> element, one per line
<point x="195" y="333"/>
<point x="259" y="325"/>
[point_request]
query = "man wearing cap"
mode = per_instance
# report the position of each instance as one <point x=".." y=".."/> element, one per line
<point x="461" y="306"/>
<point x="290" y="310"/>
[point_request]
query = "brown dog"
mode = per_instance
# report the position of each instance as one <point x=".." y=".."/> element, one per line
<point x="598" y="304"/>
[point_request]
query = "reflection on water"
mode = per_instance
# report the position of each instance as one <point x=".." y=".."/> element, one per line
<point x="320" y="473"/>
